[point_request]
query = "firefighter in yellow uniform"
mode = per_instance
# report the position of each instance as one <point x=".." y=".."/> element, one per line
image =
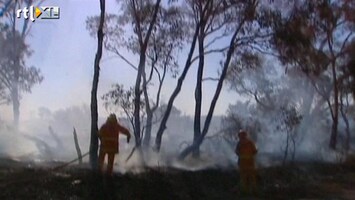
<point x="108" y="135"/>
<point x="246" y="152"/>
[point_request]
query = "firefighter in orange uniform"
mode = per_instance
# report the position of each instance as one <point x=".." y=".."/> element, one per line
<point x="246" y="152"/>
<point x="108" y="135"/>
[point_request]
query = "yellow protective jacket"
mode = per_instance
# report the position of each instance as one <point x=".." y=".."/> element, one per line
<point x="246" y="152"/>
<point x="108" y="135"/>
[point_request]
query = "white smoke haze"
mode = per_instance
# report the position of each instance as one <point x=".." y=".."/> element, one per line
<point x="276" y="89"/>
<point x="36" y="142"/>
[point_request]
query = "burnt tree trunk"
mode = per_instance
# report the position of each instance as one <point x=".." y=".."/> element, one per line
<point x="77" y="147"/>
<point x="176" y="91"/>
<point x="346" y="121"/>
<point x="137" y="101"/>
<point x="15" y="104"/>
<point x="335" y="108"/>
<point x="140" y="72"/>
<point x="148" y="130"/>
<point x="15" y="97"/>
<point x="94" y="113"/>
<point x="222" y="77"/>
<point x="198" y="91"/>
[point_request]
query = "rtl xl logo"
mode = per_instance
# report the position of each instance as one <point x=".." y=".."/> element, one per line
<point x="43" y="12"/>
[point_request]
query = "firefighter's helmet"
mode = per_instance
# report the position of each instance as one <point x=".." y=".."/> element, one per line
<point x="242" y="134"/>
<point x="112" y="118"/>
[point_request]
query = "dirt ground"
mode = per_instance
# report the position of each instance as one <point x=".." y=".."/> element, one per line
<point x="299" y="181"/>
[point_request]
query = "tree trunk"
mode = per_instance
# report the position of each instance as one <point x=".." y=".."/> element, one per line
<point x="347" y="125"/>
<point x="148" y="130"/>
<point x="176" y="91"/>
<point x="284" y="160"/>
<point x="77" y="147"/>
<point x="334" y="133"/>
<point x="94" y="113"/>
<point x="137" y="99"/>
<point x="222" y="77"/>
<point x="15" y="105"/>
<point x="198" y="92"/>
<point x="140" y="72"/>
<point x="15" y="89"/>
<point x="148" y="125"/>
<point x="15" y="96"/>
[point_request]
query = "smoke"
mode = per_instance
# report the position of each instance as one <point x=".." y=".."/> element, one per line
<point x="48" y="135"/>
<point x="15" y="145"/>
<point x="273" y="97"/>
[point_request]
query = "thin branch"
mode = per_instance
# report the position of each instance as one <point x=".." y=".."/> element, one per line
<point x="265" y="52"/>
<point x="138" y="22"/>
<point x="215" y="39"/>
<point x="154" y="62"/>
<point x="161" y="81"/>
<point x="252" y="38"/>
<point x="261" y="103"/>
<point x="344" y="43"/>
<point x="6" y="6"/>
<point x="221" y="50"/>
<point x="114" y="50"/>
<point x="5" y="80"/>
<point x="129" y="118"/>
<point x="151" y="25"/>
<point x="210" y="79"/>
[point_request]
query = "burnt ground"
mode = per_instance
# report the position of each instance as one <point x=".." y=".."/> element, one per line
<point x="299" y="181"/>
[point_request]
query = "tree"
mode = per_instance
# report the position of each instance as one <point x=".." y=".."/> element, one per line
<point x="144" y="36"/>
<point x="94" y="115"/>
<point x="4" y="6"/>
<point x="314" y="38"/>
<point x="15" y="75"/>
<point x="241" y="116"/>
<point x="177" y="89"/>
<point x="167" y="39"/>
<point x="288" y="122"/>
<point x="122" y="99"/>
<point x="250" y="31"/>
<point x="215" y="18"/>
<point x="4" y="97"/>
<point x="207" y="18"/>
<point x="157" y="36"/>
<point x="275" y="106"/>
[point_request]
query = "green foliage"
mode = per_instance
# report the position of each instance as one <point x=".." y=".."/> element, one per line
<point x="237" y="119"/>
<point x="312" y="32"/>
<point x="289" y="119"/>
<point x="168" y="32"/>
<point x="13" y="47"/>
<point x="121" y="99"/>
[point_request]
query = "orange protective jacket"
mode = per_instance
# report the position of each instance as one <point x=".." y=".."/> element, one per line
<point x="246" y="152"/>
<point x="108" y="135"/>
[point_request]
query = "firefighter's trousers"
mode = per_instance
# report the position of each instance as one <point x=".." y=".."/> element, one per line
<point x="110" y="158"/>
<point x="248" y="175"/>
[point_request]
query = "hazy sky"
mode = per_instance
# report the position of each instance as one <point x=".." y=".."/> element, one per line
<point x="65" y="52"/>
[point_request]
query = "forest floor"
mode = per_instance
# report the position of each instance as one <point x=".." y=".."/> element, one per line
<point x="299" y="181"/>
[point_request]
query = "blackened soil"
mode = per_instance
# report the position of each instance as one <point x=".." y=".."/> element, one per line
<point x="299" y="181"/>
